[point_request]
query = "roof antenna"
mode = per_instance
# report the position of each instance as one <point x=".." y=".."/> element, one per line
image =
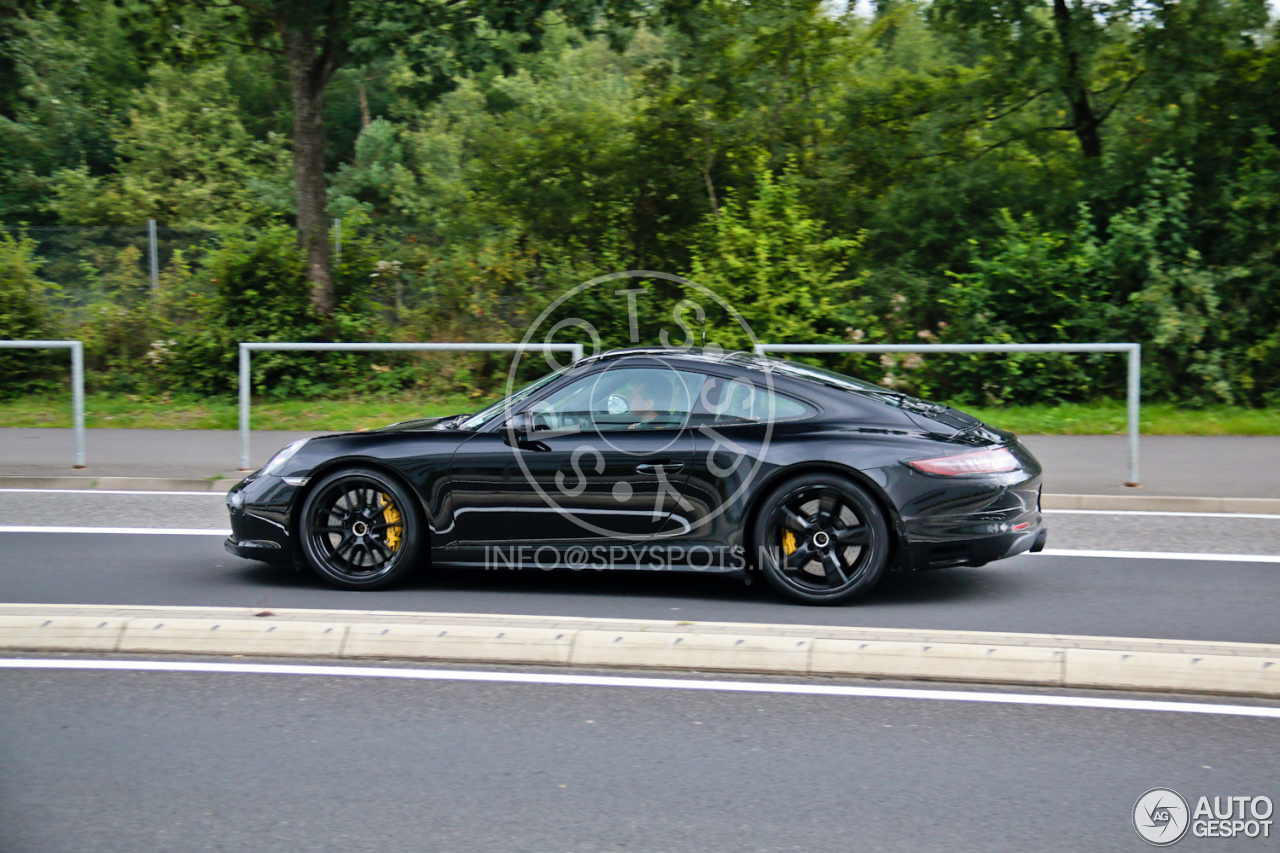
<point x="704" y="332"/>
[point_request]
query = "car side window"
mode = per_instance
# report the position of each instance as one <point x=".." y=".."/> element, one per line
<point x="630" y="398"/>
<point x="737" y="401"/>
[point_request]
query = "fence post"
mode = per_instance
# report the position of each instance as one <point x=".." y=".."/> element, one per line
<point x="77" y="400"/>
<point x="154" y="253"/>
<point x="244" y="407"/>
<point x="77" y="385"/>
<point x="1135" y="390"/>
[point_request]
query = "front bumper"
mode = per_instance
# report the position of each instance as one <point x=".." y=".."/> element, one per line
<point x="262" y="550"/>
<point x="261" y="509"/>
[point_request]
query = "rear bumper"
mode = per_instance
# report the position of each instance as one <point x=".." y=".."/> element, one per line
<point x="922" y="556"/>
<point x="973" y="521"/>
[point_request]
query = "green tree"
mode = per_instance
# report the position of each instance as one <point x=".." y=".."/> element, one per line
<point x="315" y="39"/>
<point x="187" y="158"/>
<point x="781" y="268"/>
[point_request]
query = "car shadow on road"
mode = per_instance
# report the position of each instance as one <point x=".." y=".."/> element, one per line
<point x="947" y="586"/>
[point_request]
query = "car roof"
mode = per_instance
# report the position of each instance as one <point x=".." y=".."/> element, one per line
<point x="697" y="354"/>
<point x="788" y="374"/>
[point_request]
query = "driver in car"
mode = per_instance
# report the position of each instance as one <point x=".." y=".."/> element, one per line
<point x="643" y="402"/>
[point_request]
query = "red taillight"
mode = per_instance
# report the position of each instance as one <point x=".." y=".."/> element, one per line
<point x="982" y="462"/>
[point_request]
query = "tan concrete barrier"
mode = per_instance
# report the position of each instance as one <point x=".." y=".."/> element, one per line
<point x="687" y="650"/>
<point x="943" y="661"/>
<point x="459" y="642"/>
<point x="232" y="637"/>
<point x="998" y="658"/>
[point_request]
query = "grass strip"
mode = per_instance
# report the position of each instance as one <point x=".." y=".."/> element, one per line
<point x="1105" y="417"/>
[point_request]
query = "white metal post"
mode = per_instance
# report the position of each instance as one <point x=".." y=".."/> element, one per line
<point x="154" y="253"/>
<point x="77" y="400"/>
<point x="77" y="386"/>
<point x="1135" y="369"/>
<point x="1135" y="390"/>
<point x="576" y="350"/>
<point x="245" y="393"/>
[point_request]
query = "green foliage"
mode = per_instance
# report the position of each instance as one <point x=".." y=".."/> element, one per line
<point x="958" y="171"/>
<point x="23" y="315"/>
<point x="771" y="260"/>
<point x="187" y="158"/>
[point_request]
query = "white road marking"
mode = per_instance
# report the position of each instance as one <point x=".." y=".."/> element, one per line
<point x="172" y="531"/>
<point x="1162" y="513"/>
<point x="1165" y="555"/>
<point x="1048" y="552"/>
<point x="652" y="683"/>
<point x="110" y="492"/>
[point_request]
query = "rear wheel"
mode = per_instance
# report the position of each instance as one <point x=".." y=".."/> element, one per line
<point x="360" y="529"/>
<point x="821" y="539"/>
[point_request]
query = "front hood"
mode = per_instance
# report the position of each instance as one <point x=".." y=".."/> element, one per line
<point x="416" y="425"/>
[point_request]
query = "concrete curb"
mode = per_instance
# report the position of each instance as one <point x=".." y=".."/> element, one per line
<point x="128" y="484"/>
<point x="1114" y="663"/>
<point x="1147" y="503"/>
<point x="1161" y="503"/>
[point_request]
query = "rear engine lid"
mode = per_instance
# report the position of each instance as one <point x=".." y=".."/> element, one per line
<point x="954" y="424"/>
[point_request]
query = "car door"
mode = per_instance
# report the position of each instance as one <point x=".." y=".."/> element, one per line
<point x="609" y="458"/>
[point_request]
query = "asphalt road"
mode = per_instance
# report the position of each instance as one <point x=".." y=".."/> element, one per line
<point x="1126" y="531"/>
<point x="1176" y="599"/>
<point x="111" y="761"/>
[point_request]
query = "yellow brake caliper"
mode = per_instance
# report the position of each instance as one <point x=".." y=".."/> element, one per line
<point x="788" y="542"/>
<point x="391" y="516"/>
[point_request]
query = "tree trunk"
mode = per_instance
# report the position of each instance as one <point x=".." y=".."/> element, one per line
<point x="365" y="121"/>
<point x="309" y="73"/>
<point x="1085" y="121"/>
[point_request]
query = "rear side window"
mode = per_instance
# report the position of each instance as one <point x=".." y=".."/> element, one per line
<point x="737" y="401"/>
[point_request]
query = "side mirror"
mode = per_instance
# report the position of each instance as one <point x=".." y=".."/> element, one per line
<point x="519" y="431"/>
<point x="520" y="425"/>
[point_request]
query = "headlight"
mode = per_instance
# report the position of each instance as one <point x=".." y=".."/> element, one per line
<point x="277" y="461"/>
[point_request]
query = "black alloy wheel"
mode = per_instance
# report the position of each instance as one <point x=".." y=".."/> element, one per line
<point x="821" y="539"/>
<point x="360" y="529"/>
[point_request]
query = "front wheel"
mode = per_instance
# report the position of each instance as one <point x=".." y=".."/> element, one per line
<point x="359" y="529"/>
<point x="821" y="539"/>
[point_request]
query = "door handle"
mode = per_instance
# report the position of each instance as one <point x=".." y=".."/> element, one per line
<point x="667" y="467"/>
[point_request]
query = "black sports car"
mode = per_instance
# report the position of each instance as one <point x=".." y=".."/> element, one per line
<point x="656" y="460"/>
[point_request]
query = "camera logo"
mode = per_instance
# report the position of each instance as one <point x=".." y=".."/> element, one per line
<point x="615" y="452"/>
<point x="1161" y="817"/>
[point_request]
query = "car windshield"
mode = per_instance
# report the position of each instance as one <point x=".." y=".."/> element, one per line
<point x="482" y="417"/>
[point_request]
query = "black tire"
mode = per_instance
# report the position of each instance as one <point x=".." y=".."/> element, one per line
<point x="821" y="539"/>
<point x="361" y="529"/>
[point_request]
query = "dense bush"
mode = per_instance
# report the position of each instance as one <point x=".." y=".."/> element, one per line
<point x="24" y="315"/>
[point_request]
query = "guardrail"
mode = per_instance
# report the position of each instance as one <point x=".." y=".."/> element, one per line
<point x="246" y="376"/>
<point x="1134" y="384"/>
<point x="77" y="385"/>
